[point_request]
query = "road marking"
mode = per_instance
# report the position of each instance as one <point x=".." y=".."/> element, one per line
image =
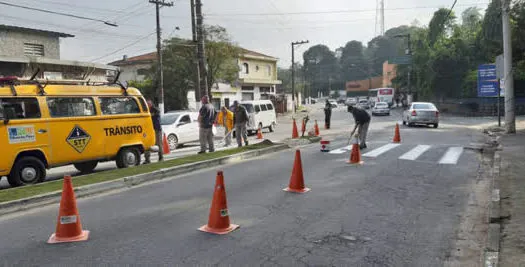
<point x="378" y="151"/>
<point x="341" y="150"/>
<point x="415" y="152"/>
<point x="451" y="156"/>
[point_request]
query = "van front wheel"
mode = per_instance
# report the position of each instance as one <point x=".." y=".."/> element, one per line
<point x="86" y="167"/>
<point x="128" y="157"/>
<point x="27" y="170"/>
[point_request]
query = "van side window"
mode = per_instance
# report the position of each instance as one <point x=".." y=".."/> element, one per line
<point x="269" y="106"/>
<point x="20" y="108"/>
<point x="118" y="105"/>
<point x="263" y="107"/>
<point x="143" y="104"/>
<point x="257" y="108"/>
<point x="70" y="107"/>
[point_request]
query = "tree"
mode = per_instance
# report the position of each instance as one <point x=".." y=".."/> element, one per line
<point x="320" y="68"/>
<point x="353" y="63"/>
<point x="441" y="24"/>
<point x="221" y="55"/>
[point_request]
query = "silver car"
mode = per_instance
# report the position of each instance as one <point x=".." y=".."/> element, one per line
<point x="381" y="108"/>
<point x="421" y="113"/>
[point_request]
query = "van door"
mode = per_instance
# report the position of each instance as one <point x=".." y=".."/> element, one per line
<point x="263" y="118"/>
<point x="272" y="117"/>
<point x="77" y="133"/>
<point x="21" y="129"/>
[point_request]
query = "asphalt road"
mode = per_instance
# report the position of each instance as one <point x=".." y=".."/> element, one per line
<point x="401" y="208"/>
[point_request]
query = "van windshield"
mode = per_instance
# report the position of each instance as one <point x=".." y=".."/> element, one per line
<point x="249" y="107"/>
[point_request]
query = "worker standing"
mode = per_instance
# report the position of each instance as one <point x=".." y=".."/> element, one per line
<point x="327" y="114"/>
<point x="362" y="121"/>
<point x="225" y="119"/>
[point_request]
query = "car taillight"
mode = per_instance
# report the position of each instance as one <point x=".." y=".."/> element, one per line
<point x="437" y="113"/>
<point x="414" y="113"/>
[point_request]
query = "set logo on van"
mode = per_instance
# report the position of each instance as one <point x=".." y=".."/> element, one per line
<point x="78" y="139"/>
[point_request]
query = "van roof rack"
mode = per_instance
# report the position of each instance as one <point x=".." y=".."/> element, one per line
<point x="11" y="81"/>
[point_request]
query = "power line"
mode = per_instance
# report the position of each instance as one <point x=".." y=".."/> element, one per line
<point x="126" y="46"/>
<point x="58" y="13"/>
<point x="331" y="12"/>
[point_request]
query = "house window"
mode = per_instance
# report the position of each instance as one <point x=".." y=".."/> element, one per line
<point x="142" y="71"/>
<point x="247" y="88"/>
<point x="269" y="70"/>
<point x="245" y="68"/>
<point x="256" y="68"/>
<point x="264" y="90"/>
<point x="33" y="49"/>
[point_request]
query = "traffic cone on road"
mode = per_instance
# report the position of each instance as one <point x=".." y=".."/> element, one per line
<point x="219" y="219"/>
<point x="165" y="145"/>
<point x="297" y="180"/>
<point x="69" y="228"/>
<point x="295" y="133"/>
<point x="397" y="136"/>
<point x="316" y="128"/>
<point x="355" y="154"/>
<point x="259" y="134"/>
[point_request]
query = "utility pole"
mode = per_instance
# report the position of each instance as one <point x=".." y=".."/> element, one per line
<point x="293" y="70"/>
<point x="203" y="69"/>
<point x="510" y="115"/>
<point x="160" y="89"/>
<point x="196" y="60"/>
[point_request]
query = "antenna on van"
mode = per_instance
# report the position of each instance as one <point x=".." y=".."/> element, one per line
<point x="34" y="74"/>
<point x="116" y="77"/>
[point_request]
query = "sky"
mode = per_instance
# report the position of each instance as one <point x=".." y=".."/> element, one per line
<point x="265" y="26"/>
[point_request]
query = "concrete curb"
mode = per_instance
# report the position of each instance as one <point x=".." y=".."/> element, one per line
<point x="126" y="182"/>
<point x="493" y="240"/>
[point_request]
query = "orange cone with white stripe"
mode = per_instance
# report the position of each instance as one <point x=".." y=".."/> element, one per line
<point x="316" y="129"/>
<point x="295" y="133"/>
<point x="165" y="145"/>
<point x="69" y="228"/>
<point x="259" y="134"/>
<point x="219" y="219"/>
<point x="297" y="180"/>
<point x="397" y="135"/>
<point x="355" y="154"/>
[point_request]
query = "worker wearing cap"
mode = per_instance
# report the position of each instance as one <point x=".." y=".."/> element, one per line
<point x="362" y="121"/>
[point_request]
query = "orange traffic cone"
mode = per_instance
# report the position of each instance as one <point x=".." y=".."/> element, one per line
<point x="259" y="134"/>
<point x="165" y="145"/>
<point x="316" y="129"/>
<point x="303" y="127"/>
<point x="295" y="133"/>
<point x="355" y="155"/>
<point x="219" y="219"/>
<point x="397" y="136"/>
<point x="69" y="228"/>
<point x="297" y="180"/>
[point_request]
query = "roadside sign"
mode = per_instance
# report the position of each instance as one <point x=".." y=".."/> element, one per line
<point x="487" y="81"/>
<point x="400" y="60"/>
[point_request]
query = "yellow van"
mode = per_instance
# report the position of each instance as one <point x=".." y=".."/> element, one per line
<point x="45" y="126"/>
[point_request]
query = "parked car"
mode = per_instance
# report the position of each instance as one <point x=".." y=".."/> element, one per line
<point x="363" y="103"/>
<point x="381" y="108"/>
<point x="351" y="101"/>
<point x="181" y="127"/>
<point x="421" y="113"/>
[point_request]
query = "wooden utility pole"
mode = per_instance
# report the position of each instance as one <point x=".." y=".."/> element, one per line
<point x="196" y="60"/>
<point x="160" y="89"/>
<point x="293" y="71"/>
<point x="203" y="69"/>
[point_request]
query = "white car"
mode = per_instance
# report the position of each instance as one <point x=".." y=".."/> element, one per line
<point x="181" y="127"/>
<point x="421" y="113"/>
<point x="363" y="103"/>
<point x="333" y="103"/>
<point x="381" y="108"/>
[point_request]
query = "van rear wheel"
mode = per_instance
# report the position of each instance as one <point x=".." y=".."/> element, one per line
<point x="272" y="127"/>
<point x="86" y="167"/>
<point x="128" y="157"/>
<point x="27" y="170"/>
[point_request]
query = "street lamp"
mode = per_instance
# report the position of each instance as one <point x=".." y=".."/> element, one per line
<point x="293" y="70"/>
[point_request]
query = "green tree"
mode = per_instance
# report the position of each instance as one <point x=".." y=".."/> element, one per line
<point x="353" y="63"/>
<point x="320" y="68"/>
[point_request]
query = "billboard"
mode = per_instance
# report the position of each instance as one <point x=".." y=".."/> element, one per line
<point x="487" y="81"/>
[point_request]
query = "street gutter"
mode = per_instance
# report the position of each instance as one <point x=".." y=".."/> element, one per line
<point x="130" y="181"/>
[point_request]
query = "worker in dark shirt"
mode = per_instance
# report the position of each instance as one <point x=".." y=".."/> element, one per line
<point x="155" y="118"/>
<point x="327" y="114"/>
<point x="362" y="120"/>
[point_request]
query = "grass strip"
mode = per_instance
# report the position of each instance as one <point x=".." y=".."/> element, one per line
<point x="47" y="187"/>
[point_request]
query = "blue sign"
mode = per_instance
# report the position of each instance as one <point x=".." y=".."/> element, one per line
<point x="487" y="81"/>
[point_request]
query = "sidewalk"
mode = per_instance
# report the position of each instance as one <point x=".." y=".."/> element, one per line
<point x="512" y="182"/>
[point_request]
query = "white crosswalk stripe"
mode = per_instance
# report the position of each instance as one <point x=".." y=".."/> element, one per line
<point x="451" y="156"/>
<point x="415" y="152"/>
<point x="378" y="151"/>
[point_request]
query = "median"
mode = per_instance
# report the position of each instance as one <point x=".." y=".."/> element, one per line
<point x="20" y="198"/>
